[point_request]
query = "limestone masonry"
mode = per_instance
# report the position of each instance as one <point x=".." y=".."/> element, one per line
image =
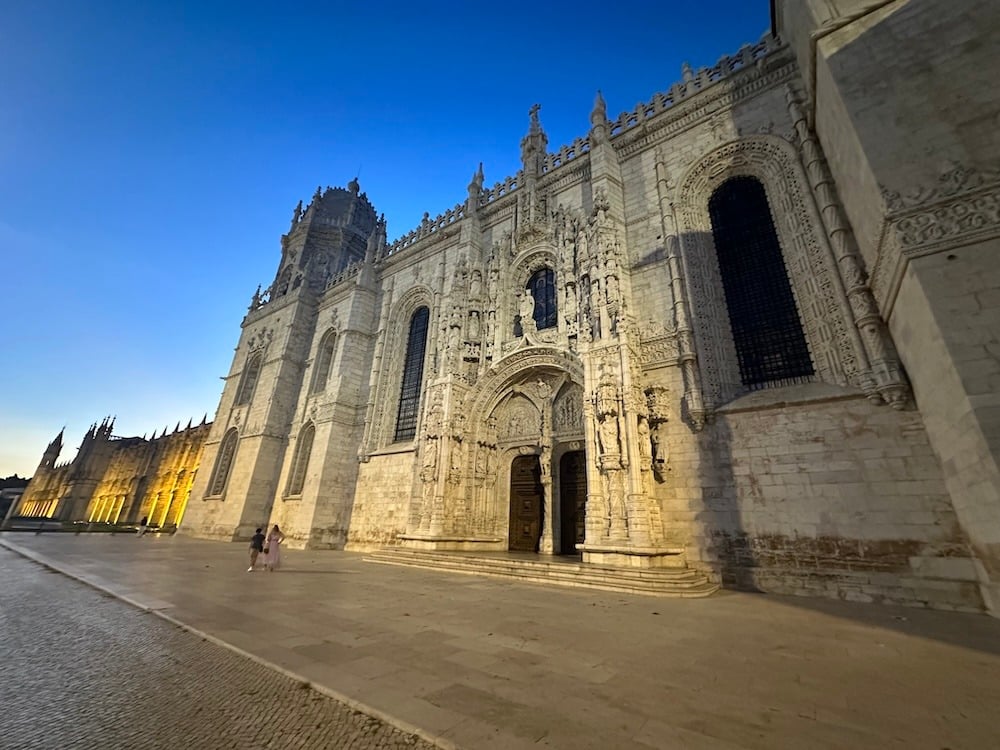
<point x="751" y="327"/>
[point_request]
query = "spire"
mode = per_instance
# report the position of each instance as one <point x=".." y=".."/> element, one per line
<point x="189" y="423"/>
<point x="533" y="145"/>
<point x="476" y="187"/>
<point x="376" y="241"/>
<point x="599" y="121"/>
<point x="178" y="427"/>
<point x="204" y="419"/>
<point x="297" y="214"/>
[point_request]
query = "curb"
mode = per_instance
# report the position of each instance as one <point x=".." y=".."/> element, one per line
<point x="402" y="726"/>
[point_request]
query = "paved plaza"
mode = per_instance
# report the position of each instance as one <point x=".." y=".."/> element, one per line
<point x="465" y="661"/>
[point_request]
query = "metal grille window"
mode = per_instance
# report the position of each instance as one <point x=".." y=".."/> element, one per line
<point x="542" y="286"/>
<point x="249" y="382"/>
<point x="300" y="463"/>
<point x="413" y="376"/>
<point x="227" y="451"/>
<point x="767" y="332"/>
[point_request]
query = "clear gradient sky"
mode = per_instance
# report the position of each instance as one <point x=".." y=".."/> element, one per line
<point x="151" y="154"/>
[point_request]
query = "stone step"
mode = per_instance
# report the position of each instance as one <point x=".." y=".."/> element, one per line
<point x="668" y="582"/>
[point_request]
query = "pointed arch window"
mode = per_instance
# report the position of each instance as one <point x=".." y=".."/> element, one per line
<point x="542" y="286"/>
<point x="224" y="463"/>
<point x="251" y="373"/>
<point x="770" y="343"/>
<point x="413" y="376"/>
<point x="303" y="449"/>
<point x="324" y="361"/>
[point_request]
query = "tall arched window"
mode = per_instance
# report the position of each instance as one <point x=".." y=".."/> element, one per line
<point x="542" y="286"/>
<point x="324" y="360"/>
<point x="413" y="376"/>
<point x="249" y="381"/>
<point x="770" y="345"/>
<point x="303" y="449"/>
<point x="224" y="464"/>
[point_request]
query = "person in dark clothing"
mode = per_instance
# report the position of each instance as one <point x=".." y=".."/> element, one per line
<point x="256" y="547"/>
<point x="143" y="526"/>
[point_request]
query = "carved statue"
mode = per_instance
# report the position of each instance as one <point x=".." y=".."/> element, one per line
<point x="494" y="283"/>
<point x="430" y="455"/>
<point x="659" y="455"/>
<point x="571" y="305"/>
<point x="645" y="446"/>
<point x="606" y="401"/>
<point x="543" y="390"/>
<point x="608" y="435"/>
<point x="474" y="328"/>
<point x="454" y="339"/>
<point x="526" y="307"/>
<point x="611" y="286"/>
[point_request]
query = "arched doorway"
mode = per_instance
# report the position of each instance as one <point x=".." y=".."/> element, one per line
<point x="526" y="498"/>
<point x="572" y="501"/>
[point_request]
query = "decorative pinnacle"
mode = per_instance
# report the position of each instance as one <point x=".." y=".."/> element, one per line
<point x="535" y="126"/>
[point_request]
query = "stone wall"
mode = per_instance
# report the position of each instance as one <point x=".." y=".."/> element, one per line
<point x="813" y="490"/>
<point x="383" y="500"/>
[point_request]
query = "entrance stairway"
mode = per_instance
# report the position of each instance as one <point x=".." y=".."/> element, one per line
<point x="562" y="571"/>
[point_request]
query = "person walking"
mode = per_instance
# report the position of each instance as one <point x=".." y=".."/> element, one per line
<point x="272" y="548"/>
<point x="143" y="526"/>
<point x="256" y="547"/>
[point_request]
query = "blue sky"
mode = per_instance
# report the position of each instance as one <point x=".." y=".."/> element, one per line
<point x="151" y="154"/>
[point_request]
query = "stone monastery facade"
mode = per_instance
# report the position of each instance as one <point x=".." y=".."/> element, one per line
<point x="750" y="327"/>
<point x="117" y="480"/>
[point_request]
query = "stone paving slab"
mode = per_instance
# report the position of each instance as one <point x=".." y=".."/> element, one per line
<point x="81" y="669"/>
<point x="486" y="663"/>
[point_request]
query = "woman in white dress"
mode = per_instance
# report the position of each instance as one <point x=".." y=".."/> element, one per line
<point x="272" y="548"/>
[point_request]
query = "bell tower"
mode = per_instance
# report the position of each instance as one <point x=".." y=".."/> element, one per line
<point x="245" y="451"/>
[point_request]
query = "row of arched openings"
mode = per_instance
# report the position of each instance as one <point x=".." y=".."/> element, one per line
<point x="227" y="456"/>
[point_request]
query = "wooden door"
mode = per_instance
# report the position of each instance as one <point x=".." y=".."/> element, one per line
<point x="572" y="501"/>
<point x="525" y="504"/>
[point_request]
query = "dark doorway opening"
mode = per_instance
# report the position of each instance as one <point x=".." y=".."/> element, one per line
<point x="572" y="501"/>
<point x="525" y="504"/>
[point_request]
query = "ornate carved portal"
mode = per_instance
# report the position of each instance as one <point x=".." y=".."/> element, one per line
<point x="548" y="454"/>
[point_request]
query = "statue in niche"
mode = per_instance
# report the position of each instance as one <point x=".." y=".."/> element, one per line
<point x="607" y="395"/>
<point x="456" y="457"/>
<point x="571" y="307"/>
<point x="659" y="453"/>
<point x="476" y="285"/>
<point x="545" y="463"/>
<point x="474" y="329"/>
<point x="482" y="460"/>
<point x="430" y="454"/>
<point x="526" y="308"/>
<point x="611" y="286"/>
<point x="454" y="339"/>
<point x="493" y="286"/>
<point x="430" y="460"/>
<point x="436" y="414"/>
<point x="595" y="294"/>
<point x="645" y="446"/>
<point x="607" y="432"/>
